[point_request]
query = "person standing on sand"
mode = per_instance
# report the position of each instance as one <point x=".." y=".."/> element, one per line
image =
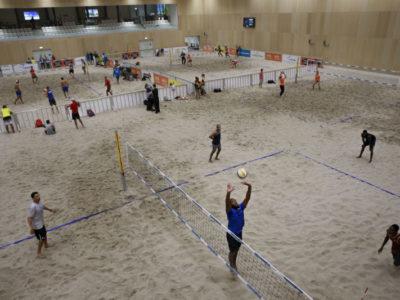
<point x="216" y="143"/>
<point x="235" y="214"/>
<point x="33" y="75"/>
<point x="317" y="81"/>
<point x="64" y="86"/>
<point x="393" y="234"/>
<point x="282" y="78"/>
<point x="261" y="78"/>
<point x="368" y="139"/>
<point x="36" y="222"/>
<point x="18" y="92"/>
<point x="74" y="106"/>
<point x="6" y="115"/>
<point x="156" y="98"/>
<point x="107" y="84"/>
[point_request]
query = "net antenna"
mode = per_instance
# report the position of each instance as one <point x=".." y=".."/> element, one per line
<point x="259" y="275"/>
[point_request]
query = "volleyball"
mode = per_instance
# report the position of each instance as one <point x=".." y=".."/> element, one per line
<point x="242" y="173"/>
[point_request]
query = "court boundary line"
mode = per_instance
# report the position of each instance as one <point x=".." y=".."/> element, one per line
<point x="88" y="86"/>
<point x="141" y="198"/>
<point x="347" y="174"/>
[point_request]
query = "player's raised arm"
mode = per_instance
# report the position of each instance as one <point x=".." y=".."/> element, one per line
<point x="228" y="203"/>
<point x="248" y="194"/>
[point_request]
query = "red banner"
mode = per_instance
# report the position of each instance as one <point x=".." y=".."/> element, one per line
<point x="62" y="63"/>
<point x="130" y="55"/>
<point x="311" y="61"/>
<point x="160" y="80"/>
<point x="208" y="48"/>
<point x="273" y="56"/>
<point x="136" y="71"/>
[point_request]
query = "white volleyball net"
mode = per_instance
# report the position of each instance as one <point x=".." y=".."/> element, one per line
<point x="261" y="277"/>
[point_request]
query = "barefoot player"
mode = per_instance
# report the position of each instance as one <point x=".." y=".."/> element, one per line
<point x="393" y="234"/>
<point x="36" y="222"/>
<point x="368" y="139"/>
<point x="18" y="92"/>
<point x="317" y="81"/>
<point x="235" y="214"/>
<point x="64" y="86"/>
<point x="216" y="142"/>
<point x="33" y="75"/>
<point x="282" y="78"/>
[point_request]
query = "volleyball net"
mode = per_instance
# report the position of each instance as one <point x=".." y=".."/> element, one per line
<point x="260" y="276"/>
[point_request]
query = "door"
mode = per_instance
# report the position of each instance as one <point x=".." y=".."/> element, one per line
<point x="146" y="48"/>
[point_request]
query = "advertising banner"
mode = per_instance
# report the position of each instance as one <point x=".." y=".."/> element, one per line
<point x="7" y="69"/>
<point x="290" y="58"/>
<point x="273" y="56"/>
<point x="257" y="54"/>
<point x="245" y="53"/>
<point x="232" y="51"/>
<point x="311" y="61"/>
<point x="160" y="80"/>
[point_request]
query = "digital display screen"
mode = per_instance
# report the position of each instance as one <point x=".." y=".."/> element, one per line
<point x="93" y="13"/>
<point x="29" y="14"/>
<point x="249" y="22"/>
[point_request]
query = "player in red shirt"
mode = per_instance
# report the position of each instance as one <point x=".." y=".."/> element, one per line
<point x="282" y="78"/>
<point x="33" y="74"/>
<point x="107" y="83"/>
<point x="393" y="234"/>
<point x="317" y="80"/>
<point x="74" y="107"/>
<point x="261" y="78"/>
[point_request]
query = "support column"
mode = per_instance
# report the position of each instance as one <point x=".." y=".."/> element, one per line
<point x="18" y="20"/>
<point x="118" y="16"/>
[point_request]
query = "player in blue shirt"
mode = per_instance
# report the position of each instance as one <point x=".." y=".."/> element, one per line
<point x="117" y="73"/>
<point x="52" y="100"/>
<point x="235" y="214"/>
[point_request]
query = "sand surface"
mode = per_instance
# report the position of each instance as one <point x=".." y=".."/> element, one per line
<point x="319" y="227"/>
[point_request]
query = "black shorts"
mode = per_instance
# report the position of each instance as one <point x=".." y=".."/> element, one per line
<point x="75" y="116"/>
<point x="52" y="102"/>
<point x="71" y="71"/>
<point x="40" y="233"/>
<point x="108" y="90"/>
<point x="233" y="244"/>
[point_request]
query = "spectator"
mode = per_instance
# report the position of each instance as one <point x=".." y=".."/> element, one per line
<point x="49" y="128"/>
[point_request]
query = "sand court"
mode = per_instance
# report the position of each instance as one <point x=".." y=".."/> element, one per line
<point x="318" y="226"/>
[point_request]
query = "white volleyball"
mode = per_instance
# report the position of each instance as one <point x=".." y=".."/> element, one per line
<point x="242" y="173"/>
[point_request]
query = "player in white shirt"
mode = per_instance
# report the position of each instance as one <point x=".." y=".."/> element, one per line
<point x="36" y="223"/>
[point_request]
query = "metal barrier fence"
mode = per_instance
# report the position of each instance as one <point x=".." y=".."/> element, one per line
<point x="26" y="119"/>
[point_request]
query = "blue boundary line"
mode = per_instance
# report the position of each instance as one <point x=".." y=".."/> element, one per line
<point x="88" y="86"/>
<point x="347" y="174"/>
<point x="140" y="198"/>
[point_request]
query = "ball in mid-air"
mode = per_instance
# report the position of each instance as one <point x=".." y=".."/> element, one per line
<point x="242" y="173"/>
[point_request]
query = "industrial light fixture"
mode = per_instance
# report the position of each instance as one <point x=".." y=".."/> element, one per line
<point x="310" y="42"/>
<point x="41" y="47"/>
<point x="145" y="37"/>
<point x="325" y="43"/>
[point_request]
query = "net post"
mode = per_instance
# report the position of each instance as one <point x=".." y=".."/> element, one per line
<point x="121" y="167"/>
<point x="297" y="70"/>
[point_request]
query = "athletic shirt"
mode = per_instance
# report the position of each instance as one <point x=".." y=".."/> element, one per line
<point x="236" y="219"/>
<point x="261" y="75"/>
<point x="36" y="214"/>
<point x="116" y="72"/>
<point x="50" y="94"/>
<point x="217" y="139"/>
<point x="108" y="84"/>
<point x="317" y="77"/>
<point x="6" y="112"/>
<point x="74" y="107"/>
<point x="282" y="80"/>
<point x="396" y="242"/>
<point x="32" y="72"/>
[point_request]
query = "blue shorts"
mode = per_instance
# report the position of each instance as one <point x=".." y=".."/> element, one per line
<point x="396" y="258"/>
<point x="116" y="76"/>
<point x="65" y="89"/>
<point x="18" y="93"/>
